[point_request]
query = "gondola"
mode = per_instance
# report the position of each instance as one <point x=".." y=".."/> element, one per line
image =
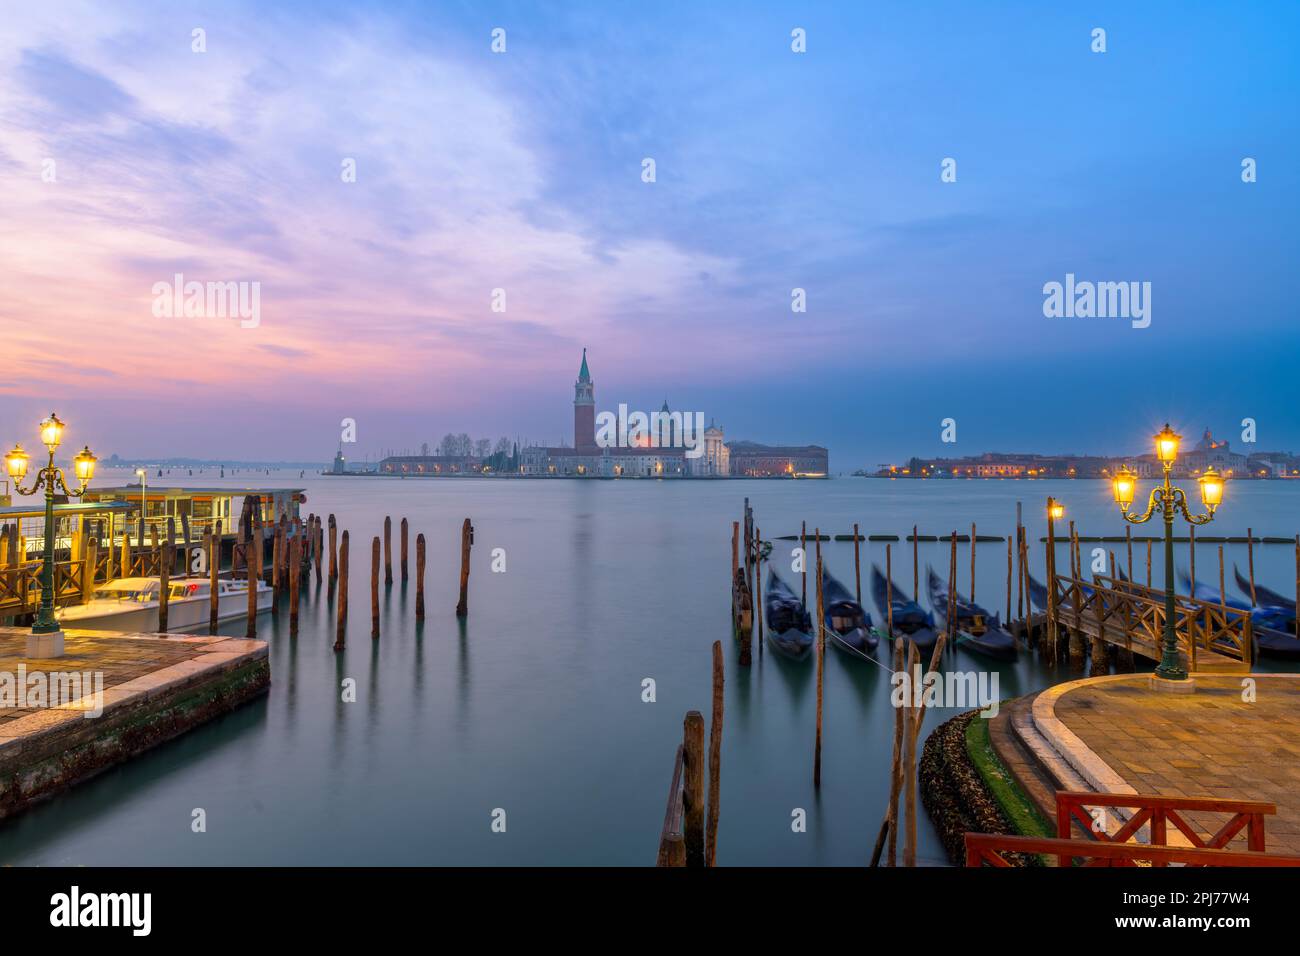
<point x="910" y="619"/>
<point x="977" y="630"/>
<point x="847" y="624"/>
<point x="789" y="626"/>
<point x="1266" y="596"/>
<point x="1268" y="624"/>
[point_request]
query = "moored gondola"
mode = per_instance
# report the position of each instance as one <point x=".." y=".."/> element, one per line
<point x="911" y="621"/>
<point x="848" y="626"/>
<point x="977" y="630"/>
<point x="789" y="626"/>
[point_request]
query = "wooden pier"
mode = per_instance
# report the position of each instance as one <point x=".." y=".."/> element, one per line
<point x="1212" y="638"/>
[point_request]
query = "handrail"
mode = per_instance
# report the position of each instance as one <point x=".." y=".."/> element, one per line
<point x="1158" y="812"/>
<point x="986" y="848"/>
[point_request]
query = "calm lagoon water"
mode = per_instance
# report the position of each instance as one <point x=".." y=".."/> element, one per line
<point x="533" y="705"/>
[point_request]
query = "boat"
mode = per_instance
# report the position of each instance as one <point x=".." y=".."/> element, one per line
<point x="977" y="630"/>
<point x="849" y="626"/>
<point x="910" y="619"/>
<point x="130" y="605"/>
<point x="789" y="626"/>
<point x="1269" y="597"/>
<point x="1271" y="626"/>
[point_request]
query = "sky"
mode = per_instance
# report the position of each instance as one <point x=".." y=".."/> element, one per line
<point x="127" y="157"/>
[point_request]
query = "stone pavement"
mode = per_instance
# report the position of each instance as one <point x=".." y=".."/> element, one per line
<point x="1210" y="743"/>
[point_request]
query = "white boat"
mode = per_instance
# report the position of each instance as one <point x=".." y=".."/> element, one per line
<point x="130" y="605"/>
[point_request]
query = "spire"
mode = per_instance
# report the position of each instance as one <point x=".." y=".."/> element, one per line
<point x="665" y="408"/>
<point x="583" y="374"/>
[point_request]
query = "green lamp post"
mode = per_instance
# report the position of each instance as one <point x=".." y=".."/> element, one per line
<point x="1169" y="499"/>
<point x="46" y="638"/>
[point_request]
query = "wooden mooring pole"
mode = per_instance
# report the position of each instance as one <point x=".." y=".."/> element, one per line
<point x="334" y="552"/>
<point x="758" y="590"/>
<point x="715" y="760"/>
<point x="693" y="771"/>
<point x="164" y="585"/>
<point x="466" y="542"/>
<point x="388" y="550"/>
<point x="295" y="575"/>
<point x="419" y="577"/>
<point x="253" y="563"/>
<point x="374" y="588"/>
<point x="340" y="635"/>
<point x="803" y="563"/>
<point x="821" y="665"/>
<point x="916" y="565"/>
<point x="402" y="536"/>
<point x="214" y="568"/>
<point x="857" y="565"/>
<point x="1250" y="561"/>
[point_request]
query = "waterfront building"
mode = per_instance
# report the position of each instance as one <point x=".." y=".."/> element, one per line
<point x="1212" y="453"/>
<point x="587" y="459"/>
<point x="429" y="465"/>
<point x="753" y="460"/>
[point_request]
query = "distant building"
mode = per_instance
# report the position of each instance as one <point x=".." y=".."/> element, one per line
<point x="752" y="460"/>
<point x="587" y="459"/>
<point x="430" y="465"/>
<point x="340" y="463"/>
<point x="1210" y="453"/>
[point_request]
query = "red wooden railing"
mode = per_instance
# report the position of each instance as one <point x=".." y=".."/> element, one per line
<point x="1160" y="812"/>
<point x="1121" y="849"/>
<point x="987" y="848"/>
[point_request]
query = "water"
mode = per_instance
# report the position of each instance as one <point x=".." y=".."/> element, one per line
<point x="534" y="706"/>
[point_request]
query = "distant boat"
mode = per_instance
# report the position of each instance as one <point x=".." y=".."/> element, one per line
<point x="789" y="626"/>
<point x="848" y="624"/>
<point x="910" y="619"/>
<point x="977" y="630"/>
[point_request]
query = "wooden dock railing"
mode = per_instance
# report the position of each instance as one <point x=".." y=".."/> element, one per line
<point x="1247" y="818"/>
<point x="1212" y="637"/>
<point x="986" y="849"/>
<point x="1122" y="848"/>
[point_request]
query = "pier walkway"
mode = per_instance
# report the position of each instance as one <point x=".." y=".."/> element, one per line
<point x="1237" y="737"/>
<point x="1212" y="638"/>
<point x="110" y="697"/>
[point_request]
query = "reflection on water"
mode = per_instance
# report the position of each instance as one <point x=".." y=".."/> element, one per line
<point x="533" y="704"/>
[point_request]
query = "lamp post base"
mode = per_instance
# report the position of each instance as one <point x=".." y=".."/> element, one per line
<point x="1163" y="685"/>
<point x="45" y="646"/>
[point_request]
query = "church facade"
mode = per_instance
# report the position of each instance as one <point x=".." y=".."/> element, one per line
<point x="665" y="458"/>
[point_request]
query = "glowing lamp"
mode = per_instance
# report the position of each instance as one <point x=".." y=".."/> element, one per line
<point x="1056" y="511"/>
<point x="1124" y="485"/>
<point x="84" y="464"/>
<point x="52" y="432"/>
<point x="1167" y="445"/>
<point x="16" y="463"/>
<point x="1211" y="489"/>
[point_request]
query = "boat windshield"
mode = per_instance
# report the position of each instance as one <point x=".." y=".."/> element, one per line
<point x="133" y="595"/>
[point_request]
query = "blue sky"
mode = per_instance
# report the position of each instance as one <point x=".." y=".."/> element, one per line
<point x="775" y="170"/>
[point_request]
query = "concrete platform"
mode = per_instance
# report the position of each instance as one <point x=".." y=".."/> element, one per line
<point x="109" y="697"/>
<point x="1115" y="734"/>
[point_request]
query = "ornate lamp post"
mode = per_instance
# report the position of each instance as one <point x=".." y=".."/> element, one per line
<point x="46" y="638"/>
<point x="1055" y="512"/>
<point x="1169" y="499"/>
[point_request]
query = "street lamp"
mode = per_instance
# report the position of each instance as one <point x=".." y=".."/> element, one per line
<point x="1055" y="512"/>
<point x="1169" y="499"/>
<point x="46" y="638"/>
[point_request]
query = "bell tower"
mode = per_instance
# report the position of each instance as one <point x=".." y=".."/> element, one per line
<point x="584" y="408"/>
